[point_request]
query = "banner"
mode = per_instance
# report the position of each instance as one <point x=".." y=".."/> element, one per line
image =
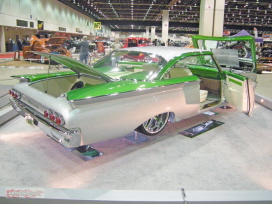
<point x="97" y="25"/>
<point x="40" y="25"/>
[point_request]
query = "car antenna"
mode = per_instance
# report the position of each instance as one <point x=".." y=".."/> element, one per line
<point x="49" y="67"/>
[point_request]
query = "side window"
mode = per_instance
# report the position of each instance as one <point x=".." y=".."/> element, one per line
<point x="180" y="69"/>
<point x="207" y="61"/>
<point x="191" y="65"/>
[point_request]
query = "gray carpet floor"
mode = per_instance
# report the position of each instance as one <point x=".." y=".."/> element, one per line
<point x="234" y="156"/>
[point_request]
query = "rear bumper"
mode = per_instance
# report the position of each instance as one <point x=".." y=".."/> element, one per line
<point x="67" y="137"/>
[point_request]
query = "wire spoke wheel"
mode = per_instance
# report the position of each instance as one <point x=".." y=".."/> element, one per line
<point x="154" y="125"/>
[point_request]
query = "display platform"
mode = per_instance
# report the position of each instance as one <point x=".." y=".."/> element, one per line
<point x="232" y="157"/>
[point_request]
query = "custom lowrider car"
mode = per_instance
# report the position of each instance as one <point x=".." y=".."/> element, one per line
<point x="48" y="45"/>
<point x="117" y="95"/>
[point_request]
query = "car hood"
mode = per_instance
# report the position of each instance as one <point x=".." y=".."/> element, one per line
<point x="76" y="66"/>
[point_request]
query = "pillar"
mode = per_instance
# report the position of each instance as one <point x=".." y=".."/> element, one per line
<point x="165" y="26"/>
<point x="153" y="32"/>
<point x="2" y="39"/>
<point x="211" y="17"/>
<point x="147" y="31"/>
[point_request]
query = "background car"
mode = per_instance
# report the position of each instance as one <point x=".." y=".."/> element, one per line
<point x="118" y="95"/>
<point x="264" y="62"/>
<point x="47" y="45"/>
<point x="135" y="42"/>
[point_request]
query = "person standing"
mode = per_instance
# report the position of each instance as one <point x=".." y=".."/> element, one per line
<point x="84" y="50"/>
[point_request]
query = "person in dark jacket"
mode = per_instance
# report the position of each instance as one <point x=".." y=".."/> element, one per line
<point x="19" y="44"/>
<point x="84" y="50"/>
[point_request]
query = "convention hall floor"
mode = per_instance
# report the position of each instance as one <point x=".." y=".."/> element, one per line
<point x="234" y="156"/>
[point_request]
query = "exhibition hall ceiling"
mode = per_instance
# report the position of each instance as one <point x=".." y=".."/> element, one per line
<point x="132" y="15"/>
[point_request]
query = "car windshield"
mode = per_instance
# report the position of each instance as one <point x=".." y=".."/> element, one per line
<point x="130" y="65"/>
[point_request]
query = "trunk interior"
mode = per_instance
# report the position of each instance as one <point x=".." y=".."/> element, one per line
<point x="60" y="85"/>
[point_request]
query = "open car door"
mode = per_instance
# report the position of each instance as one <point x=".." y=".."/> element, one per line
<point x="239" y="91"/>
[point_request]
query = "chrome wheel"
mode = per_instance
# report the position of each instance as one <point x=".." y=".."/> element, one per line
<point x="154" y="125"/>
<point x="42" y="60"/>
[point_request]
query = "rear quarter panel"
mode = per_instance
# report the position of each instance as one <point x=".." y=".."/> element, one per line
<point x="110" y="117"/>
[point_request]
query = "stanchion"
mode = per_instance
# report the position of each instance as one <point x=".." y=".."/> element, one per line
<point x="17" y="55"/>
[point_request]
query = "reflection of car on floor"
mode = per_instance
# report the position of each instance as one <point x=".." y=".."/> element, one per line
<point x="118" y="95"/>
<point x="47" y="45"/>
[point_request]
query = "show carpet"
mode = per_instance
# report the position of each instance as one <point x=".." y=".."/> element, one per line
<point x="234" y="156"/>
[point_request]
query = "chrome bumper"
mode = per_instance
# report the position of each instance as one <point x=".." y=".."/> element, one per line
<point x="67" y="137"/>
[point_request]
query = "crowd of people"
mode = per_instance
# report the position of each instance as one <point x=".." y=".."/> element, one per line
<point x="19" y="43"/>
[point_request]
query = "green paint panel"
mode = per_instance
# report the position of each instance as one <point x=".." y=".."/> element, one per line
<point x="74" y="65"/>
<point x="236" y="82"/>
<point x="173" y="61"/>
<point x="131" y="63"/>
<point x="123" y="86"/>
<point x="204" y="71"/>
<point x="237" y="76"/>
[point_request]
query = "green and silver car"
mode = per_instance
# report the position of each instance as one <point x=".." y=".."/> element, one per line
<point x="120" y="93"/>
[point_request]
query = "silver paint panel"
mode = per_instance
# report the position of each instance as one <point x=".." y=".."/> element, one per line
<point x="102" y="118"/>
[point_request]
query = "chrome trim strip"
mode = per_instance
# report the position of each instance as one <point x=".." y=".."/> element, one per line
<point x="70" y="75"/>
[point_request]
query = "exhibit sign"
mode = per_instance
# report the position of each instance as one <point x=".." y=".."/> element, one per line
<point x="40" y="25"/>
<point x="97" y="25"/>
<point x="25" y="193"/>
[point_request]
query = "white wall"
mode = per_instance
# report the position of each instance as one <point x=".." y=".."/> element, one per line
<point x="52" y="12"/>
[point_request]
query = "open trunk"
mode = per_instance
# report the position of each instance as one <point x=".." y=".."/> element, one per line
<point x="60" y="85"/>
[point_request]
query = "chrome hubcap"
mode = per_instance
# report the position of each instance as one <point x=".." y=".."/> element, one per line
<point x="156" y="123"/>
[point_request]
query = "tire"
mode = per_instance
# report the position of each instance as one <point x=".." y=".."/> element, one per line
<point x="154" y="125"/>
<point x="77" y="85"/>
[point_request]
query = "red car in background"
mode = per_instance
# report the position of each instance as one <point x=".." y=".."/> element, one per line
<point x="135" y="42"/>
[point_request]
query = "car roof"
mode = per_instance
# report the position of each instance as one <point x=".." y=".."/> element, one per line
<point x="167" y="53"/>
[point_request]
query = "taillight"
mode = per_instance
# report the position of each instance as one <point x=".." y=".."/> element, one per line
<point x="54" y="117"/>
<point x="46" y="113"/>
<point x="58" y="120"/>
<point x="15" y="94"/>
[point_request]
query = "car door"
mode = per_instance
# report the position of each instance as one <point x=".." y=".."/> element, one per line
<point x="239" y="91"/>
